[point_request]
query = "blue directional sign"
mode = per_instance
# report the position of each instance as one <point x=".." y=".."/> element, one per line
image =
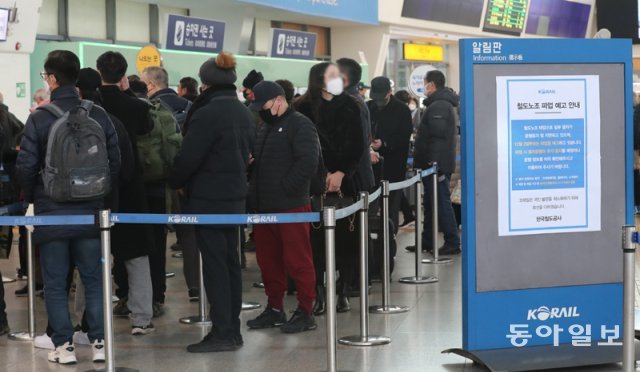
<point x="362" y="11"/>
<point x="292" y="44"/>
<point x="194" y="34"/>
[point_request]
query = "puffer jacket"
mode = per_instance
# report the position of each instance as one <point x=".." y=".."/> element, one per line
<point x="436" y="138"/>
<point x="31" y="160"/>
<point x="286" y="157"/>
<point x="212" y="163"/>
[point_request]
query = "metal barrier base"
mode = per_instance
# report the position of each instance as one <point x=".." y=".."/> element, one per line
<point x="117" y="369"/>
<point x="391" y="309"/>
<point x="196" y="320"/>
<point x="418" y="280"/>
<point x="364" y="341"/>
<point x="438" y="261"/>
<point x="250" y="305"/>
<point x="20" y="336"/>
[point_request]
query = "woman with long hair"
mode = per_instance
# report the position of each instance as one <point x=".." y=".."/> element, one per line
<point x="337" y="119"/>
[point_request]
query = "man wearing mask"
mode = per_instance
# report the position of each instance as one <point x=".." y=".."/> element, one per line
<point x="391" y="123"/>
<point x="286" y="158"/>
<point x="351" y="75"/>
<point x="252" y="79"/>
<point x="436" y="142"/>
<point x="157" y="80"/>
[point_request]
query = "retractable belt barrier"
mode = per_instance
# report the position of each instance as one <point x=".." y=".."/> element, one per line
<point x="104" y="219"/>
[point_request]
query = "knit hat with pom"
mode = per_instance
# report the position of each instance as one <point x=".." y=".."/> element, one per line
<point x="219" y="71"/>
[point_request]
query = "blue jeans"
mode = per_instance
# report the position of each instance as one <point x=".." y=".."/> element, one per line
<point x="55" y="258"/>
<point x="446" y="217"/>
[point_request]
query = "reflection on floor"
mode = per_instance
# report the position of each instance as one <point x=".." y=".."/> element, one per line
<point x="433" y="324"/>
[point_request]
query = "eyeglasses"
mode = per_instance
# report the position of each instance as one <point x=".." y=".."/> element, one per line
<point x="44" y="74"/>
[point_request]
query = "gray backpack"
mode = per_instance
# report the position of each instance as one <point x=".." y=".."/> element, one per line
<point x="77" y="163"/>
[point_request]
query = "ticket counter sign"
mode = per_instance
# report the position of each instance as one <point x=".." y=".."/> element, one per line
<point x="148" y="56"/>
<point x="548" y="154"/>
<point x="194" y="34"/>
<point x="292" y="44"/>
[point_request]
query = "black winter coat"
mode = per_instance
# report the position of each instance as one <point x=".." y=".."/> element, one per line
<point x="286" y="157"/>
<point x="130" y="241"/>
<point x="436" y="139"/>
<point x="338" y="125"/>
<point x="31" y="160"/>
<point x="364" y="173"/>
<point x="392" y="125"/>
<point x="212" y="163"/>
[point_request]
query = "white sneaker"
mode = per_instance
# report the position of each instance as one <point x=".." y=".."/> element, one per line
<point x="98" y="351"/>
<point x="142" y="330"/>
<point x="65" y="354"/>
<point x="43" y="342"/>
<point x="81" y="338"/>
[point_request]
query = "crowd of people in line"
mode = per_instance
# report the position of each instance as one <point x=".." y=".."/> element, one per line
<point x="98" y="138"/>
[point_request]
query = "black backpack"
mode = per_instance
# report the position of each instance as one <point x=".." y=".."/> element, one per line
<point x="77" y="163"/>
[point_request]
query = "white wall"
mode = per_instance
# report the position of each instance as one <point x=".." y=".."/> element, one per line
<point x="87" y="18"/>
<point x="348" y="41"/>
<point x="18" y="64"/>
<point x="48" y="23"/>
<point x="15" y="64"/>
<point x="132" y="21"/>
<point x="164" y="11"/>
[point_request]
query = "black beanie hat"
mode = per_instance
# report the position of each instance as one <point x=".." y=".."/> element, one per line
<point x="252" y="79"/>
<point x="219" y="71"/>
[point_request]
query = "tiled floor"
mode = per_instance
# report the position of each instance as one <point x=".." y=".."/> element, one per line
<point x="433" y="324"/>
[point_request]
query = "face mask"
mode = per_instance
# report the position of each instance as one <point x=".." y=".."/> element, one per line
<point x="380" y="103"/>
<point x="46" y="86"/>
<point x="335" y="86"/>
<point x="412" y="107"/>
<point x="267" y="116"/>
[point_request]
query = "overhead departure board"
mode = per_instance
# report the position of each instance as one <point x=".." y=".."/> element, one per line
<point x="505" y="16"/>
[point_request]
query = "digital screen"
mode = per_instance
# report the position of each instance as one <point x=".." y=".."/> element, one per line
<point x="459" y="12"/>
<point x="422" y="52"/>
<point x="621" y="20"/>
<point x="559" y="18"/>
<point x="505" y="16"/>
<point x="4" y="23"/>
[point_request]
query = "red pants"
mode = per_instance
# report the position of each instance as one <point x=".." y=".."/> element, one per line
<point x="285" y="249"/>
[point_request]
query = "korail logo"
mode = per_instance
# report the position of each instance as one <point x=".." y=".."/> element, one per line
<point x="261" y="219"/>
<point x="182" y="219"/>
<point x="545" y="313"/>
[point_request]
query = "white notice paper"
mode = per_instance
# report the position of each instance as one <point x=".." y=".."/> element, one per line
<point x="548" y="154"/>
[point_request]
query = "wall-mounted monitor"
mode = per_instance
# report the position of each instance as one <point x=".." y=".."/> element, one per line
<point x="505" y="16"/>
<point x="4" y="23"/>
<point x="559" y="18"/>
<point x="459" y="12"/>
<point x="621" y="19"/>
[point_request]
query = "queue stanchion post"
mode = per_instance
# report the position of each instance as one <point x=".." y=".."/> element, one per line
<point x="629" y="238"/>
<point x="30" y="334"/>
<point x="386" y="308"/>
<point x="364" y="338"/>
<point x="246" y="305"/>
<point x="436" y="260"/>
<point x="418" y="278"/>
<point x="104" y="222"/>
<point x="202" y="318"/>
<point x="329" y="219"/>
